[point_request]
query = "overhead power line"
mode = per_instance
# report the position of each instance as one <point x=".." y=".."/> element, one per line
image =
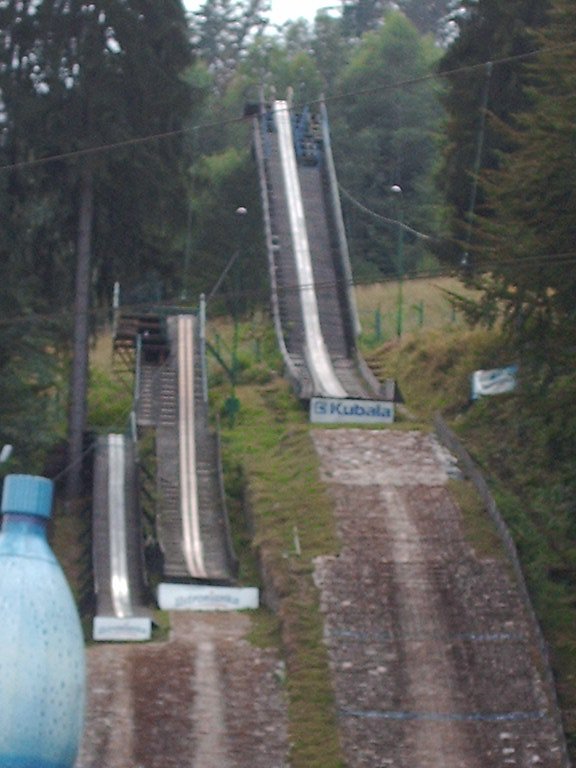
<point x="102" y="313"/>
<point x="385" y="219"/>
<point x="112" y="146"/>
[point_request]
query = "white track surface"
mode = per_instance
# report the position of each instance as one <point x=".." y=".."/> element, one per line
<point x="192" y="543"/>
<point x="325" y="380"/>
<point x="117" y="521"/>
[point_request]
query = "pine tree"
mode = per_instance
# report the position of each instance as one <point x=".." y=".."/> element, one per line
<point x="529" y="234"/>
<point x="77" y="77"/>
<point x="91" y="85"/>
<point x="222" y="31"/>
<point x="361" y="16"/>
<point x="490" y="30"/>
<point x="428" y="16"/>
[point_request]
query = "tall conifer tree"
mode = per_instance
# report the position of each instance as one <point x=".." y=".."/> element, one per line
<point x="384" y="136"/>
<point x="90" y="84"/>
<point x="529" y="233"/>
<point x="490" y="31"/>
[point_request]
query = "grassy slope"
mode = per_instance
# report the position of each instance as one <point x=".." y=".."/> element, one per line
<point x="523" y="443"/>
<point x="433" y="365"/>
<point x="293" y="524"/>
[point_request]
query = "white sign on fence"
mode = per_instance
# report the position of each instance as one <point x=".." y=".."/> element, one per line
<point x="493" y="382"/>
<point x="196" y="597"/>
<point x="333" y="410"/>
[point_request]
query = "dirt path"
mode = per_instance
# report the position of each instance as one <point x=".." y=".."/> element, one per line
<point x="430" y="649"/>
<point x="205" y="699"/>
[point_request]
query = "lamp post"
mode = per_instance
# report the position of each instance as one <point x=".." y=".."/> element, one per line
<point x="187" y="255"/>
<point x="397" y="192"/>
<point x="232" y="403"/>
<point x="241" y="215"/>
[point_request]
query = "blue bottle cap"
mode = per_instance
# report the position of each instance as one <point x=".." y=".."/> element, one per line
<point x="27" y="495"/>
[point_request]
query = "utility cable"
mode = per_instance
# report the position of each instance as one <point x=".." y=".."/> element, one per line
<point x="74" y="463"/>
<point x="218" y="125"/>
<point x="220" y="280"/>
<point x="385" y="219"/>
<point x="477" y="162"/>
<point x="537" y="261"/>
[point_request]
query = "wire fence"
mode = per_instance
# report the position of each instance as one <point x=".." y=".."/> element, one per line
<point x="388" y="311"/>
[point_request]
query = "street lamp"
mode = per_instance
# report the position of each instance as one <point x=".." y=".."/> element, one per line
<point x="241" y="214"/>
<point x="397" y="192"/>
<point x="232" y="405"/>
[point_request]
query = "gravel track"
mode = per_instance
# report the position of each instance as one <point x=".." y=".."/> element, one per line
<point x="431" y="652"/>
<point x="205" y="699"/>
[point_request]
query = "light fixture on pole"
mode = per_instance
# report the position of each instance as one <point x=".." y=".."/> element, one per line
<point x="241" y="214"/>
<point x="232" y="403"/>
<point x="397" y="192"/>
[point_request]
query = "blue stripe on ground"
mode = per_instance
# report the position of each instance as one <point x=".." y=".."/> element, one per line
<point x="387" y="637"/>
<point x="462" y="717"/>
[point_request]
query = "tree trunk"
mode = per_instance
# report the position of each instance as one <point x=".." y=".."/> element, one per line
<point x="79" y="379"/>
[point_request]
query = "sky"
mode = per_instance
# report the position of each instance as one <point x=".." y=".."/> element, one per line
<point x="283" y="10"/>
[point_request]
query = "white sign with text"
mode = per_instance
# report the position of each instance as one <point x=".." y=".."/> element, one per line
<point x="197" y="597"/>
<point x="334" y="410"/>
<point x="129" y="629"/>
<point x="494" y="382"/>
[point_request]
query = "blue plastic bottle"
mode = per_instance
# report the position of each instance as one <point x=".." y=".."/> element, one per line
<point x="42" y="666"/>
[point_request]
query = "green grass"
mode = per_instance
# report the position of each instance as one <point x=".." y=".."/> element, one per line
<point x="160" y="626"/>
<point x="542" y="524"/>
<point x="433" y="368"/>
<point x="70" y="539"/>
<point x="293" y="524"/>
<point x="265" y="630"/>
<point x="479" y="530"/>
<point x="425" y="305"/>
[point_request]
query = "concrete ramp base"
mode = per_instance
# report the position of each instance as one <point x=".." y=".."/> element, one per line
<point x="129" y="629"/>
<point x="199" y="597"/>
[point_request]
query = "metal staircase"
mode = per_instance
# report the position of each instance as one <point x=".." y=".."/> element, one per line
<point x="169" y="526"/>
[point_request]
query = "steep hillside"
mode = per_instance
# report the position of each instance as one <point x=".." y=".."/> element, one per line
<point x="524" y="443"/>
